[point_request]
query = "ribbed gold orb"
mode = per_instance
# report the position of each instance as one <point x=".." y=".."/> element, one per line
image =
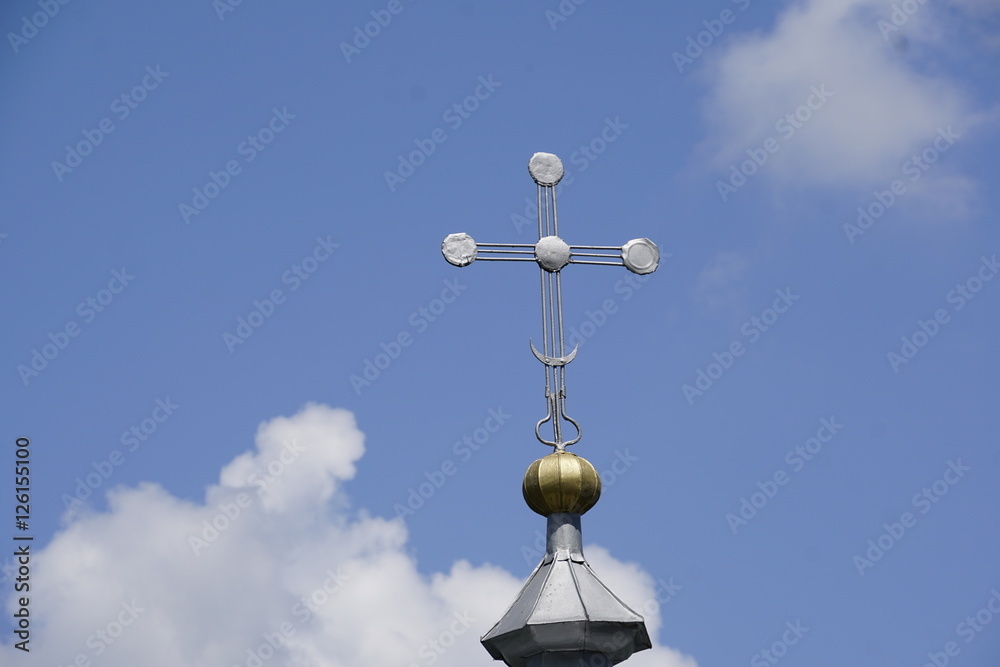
<point x="561" y="482"/>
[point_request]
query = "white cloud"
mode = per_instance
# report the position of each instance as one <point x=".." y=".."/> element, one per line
<point x="722" y="282"/>
<point x="126" y="587"/>
<point x="884" y="106"/>
<point x="297" y="449"/>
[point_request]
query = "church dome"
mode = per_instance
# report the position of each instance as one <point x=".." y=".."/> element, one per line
<point x="561" y="482"/>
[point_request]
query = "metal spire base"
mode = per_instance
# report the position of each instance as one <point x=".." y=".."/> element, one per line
<point x="564" y="613"/>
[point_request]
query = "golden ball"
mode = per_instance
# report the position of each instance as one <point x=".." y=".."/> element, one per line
<point x="561" y="482"/>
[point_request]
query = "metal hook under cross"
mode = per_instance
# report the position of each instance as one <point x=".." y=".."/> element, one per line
<point x="552" y="254"/>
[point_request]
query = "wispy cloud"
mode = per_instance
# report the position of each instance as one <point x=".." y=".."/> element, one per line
<point x="884" y="106"/>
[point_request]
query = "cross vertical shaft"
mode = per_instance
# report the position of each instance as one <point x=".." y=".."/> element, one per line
<point x="552" y="254"/>
<point x="553" y="338"/>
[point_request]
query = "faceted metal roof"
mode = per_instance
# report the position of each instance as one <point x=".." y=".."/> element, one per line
<point x="565" y="607"/>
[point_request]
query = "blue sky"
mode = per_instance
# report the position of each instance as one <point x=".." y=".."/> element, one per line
<point x="217" y="214"/>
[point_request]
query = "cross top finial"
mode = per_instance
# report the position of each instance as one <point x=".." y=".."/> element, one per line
<point x="552" y="254"/>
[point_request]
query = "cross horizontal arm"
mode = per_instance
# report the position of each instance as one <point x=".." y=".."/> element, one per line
<point x="462" y="250"/>
<point x="593" y="263"/>
<point x="505" y="252"/>
<point x="552" y="253"/>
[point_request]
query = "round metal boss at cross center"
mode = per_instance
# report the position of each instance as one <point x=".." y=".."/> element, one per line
<point x="552" y="253"/>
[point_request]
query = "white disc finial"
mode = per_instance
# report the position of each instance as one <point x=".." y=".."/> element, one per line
<point x="545" y="168"/>
<point x="641" y="256"/>
<point x="459" y="249"/>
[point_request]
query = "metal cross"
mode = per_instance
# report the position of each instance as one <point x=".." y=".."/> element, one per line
<point x="552" y="254"/>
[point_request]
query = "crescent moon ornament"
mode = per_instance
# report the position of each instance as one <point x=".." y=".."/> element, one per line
<point x="553" y="361"/>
